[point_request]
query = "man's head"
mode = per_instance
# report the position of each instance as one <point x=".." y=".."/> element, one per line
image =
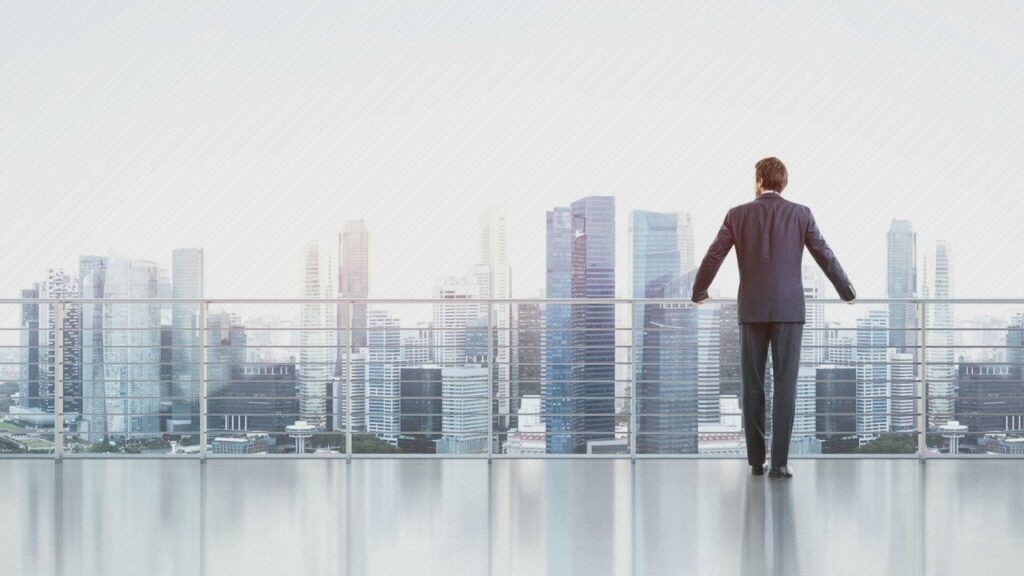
<point x="769" y="174"/>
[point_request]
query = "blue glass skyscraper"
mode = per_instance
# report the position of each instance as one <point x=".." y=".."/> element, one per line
<point x="654" y="240"/>
<point x="556" y="386"/>
<point x="667" y="384"/>
<point x="901" y="282"/>
<point x="593" y="325"/>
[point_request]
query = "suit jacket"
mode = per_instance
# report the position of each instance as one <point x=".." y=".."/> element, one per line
<point x="770" y="233"/>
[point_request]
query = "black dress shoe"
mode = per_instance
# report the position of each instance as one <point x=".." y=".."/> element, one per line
<point x="758" y="470"/>
<point x="780" y="472"/>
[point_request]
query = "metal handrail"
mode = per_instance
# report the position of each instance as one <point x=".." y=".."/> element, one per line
<point x="921" y="397"/>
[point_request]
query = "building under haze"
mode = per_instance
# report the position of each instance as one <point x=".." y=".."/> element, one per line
<point x="317" y="354"/>
<point x="130" y="337"/>
<point x="901" y="282"/>
<point x="654" y="247"/>
<point x="494" y="263"/>
<point x="187" y="271"/>
<point x="353" y="282"/>
<point x="941" y="356"/>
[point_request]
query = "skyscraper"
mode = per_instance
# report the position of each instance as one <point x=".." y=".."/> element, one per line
<point x="186" y="282"/>
<point x="556" y="386"/>
<point x="92" y="273"/>
<point x="464" y="400"/>
<point x="131" y="352"/>
<point x="450" y="318"/>
<point x="685" y="245"/>
<point x="941" y="372"/>
<point x="593" y="325"/>
<point x="667" y="387"/>
<point x="527" y="340"/>
<point x="654" y="245"/>
<point x="729" y="378"/>
<point x="28" y="385"/>
<point x="353" y="282"/>
<point x="709" y="361"/>
<point x="812" y="354"/>
<point x="317" y="340"/>
<point x="903" y="398"/>
<point x="59" y="284"/>
<point x="357" y="362"/>
<point x="901" y="272"/>
<point x="225" y="345"/>
<point x="873" y="384"/>
<point x="494" y="257"/>
<point x="382" y="376"/>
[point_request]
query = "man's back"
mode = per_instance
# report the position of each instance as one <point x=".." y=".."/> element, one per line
<point x="770" y="233"/>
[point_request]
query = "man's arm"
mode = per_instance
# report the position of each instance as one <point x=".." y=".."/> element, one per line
<point x="827" y="260"/>
<point x="713" y="260"/>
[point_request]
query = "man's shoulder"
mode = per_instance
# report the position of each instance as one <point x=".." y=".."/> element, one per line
<point x="756" y="206"/>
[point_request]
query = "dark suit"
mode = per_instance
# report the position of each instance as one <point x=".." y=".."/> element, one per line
<point x="770" y="233"/>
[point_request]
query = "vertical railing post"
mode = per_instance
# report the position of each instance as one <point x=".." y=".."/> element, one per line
<point x="631" y="365"/>
<point x="58" y="381"/>
<point x="349" y="339"/>
<point x="490" y="382"/>
<point x="922" y="440"/>
<point x="204" y="385"/>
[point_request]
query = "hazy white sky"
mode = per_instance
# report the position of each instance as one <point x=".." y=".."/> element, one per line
<point x="246" y="128"/>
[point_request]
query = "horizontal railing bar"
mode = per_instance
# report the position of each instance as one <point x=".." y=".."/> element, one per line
<point x="468" y="302"/>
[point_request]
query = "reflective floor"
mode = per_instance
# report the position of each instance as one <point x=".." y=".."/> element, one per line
<point x="523" y="517"/>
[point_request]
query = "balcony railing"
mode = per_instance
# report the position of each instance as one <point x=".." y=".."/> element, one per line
<point x="495" y="378"/>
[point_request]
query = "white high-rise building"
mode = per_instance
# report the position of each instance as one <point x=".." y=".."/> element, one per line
<point x="448" y="336"/>
<point x="708" y="365"/>
<point x="464" y="403"/>
<point x="131" y="351"/>
<point x="840" y="346"/>
<point x="873" y="382"/>
<point x="684" y="239"/>
<point x="316" y="338"/>
<point x="494" y="257"/>
<point x="339" y="403"/>
<point x="903" y="384"/>
<point x="383" y="371"/>
<point x="416" y="346"/>
<point x="812" y="353"/>
<point x="941" y="371"/>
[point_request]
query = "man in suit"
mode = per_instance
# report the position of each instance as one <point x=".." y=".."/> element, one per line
<point x="770" y="233"/>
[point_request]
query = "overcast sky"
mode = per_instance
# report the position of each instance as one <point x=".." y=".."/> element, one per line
<point x="247" y="128"/>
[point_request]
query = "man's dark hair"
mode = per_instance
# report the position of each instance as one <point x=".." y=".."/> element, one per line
<point x="772" y="173"/>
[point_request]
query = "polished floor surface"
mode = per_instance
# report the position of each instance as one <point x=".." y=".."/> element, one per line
<point x="516" y="518"/>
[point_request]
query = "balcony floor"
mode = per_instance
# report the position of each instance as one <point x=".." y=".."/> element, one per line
<point x="433" y="517"/>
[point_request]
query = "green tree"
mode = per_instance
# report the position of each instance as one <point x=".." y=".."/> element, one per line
<point x="891" y="444"/>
